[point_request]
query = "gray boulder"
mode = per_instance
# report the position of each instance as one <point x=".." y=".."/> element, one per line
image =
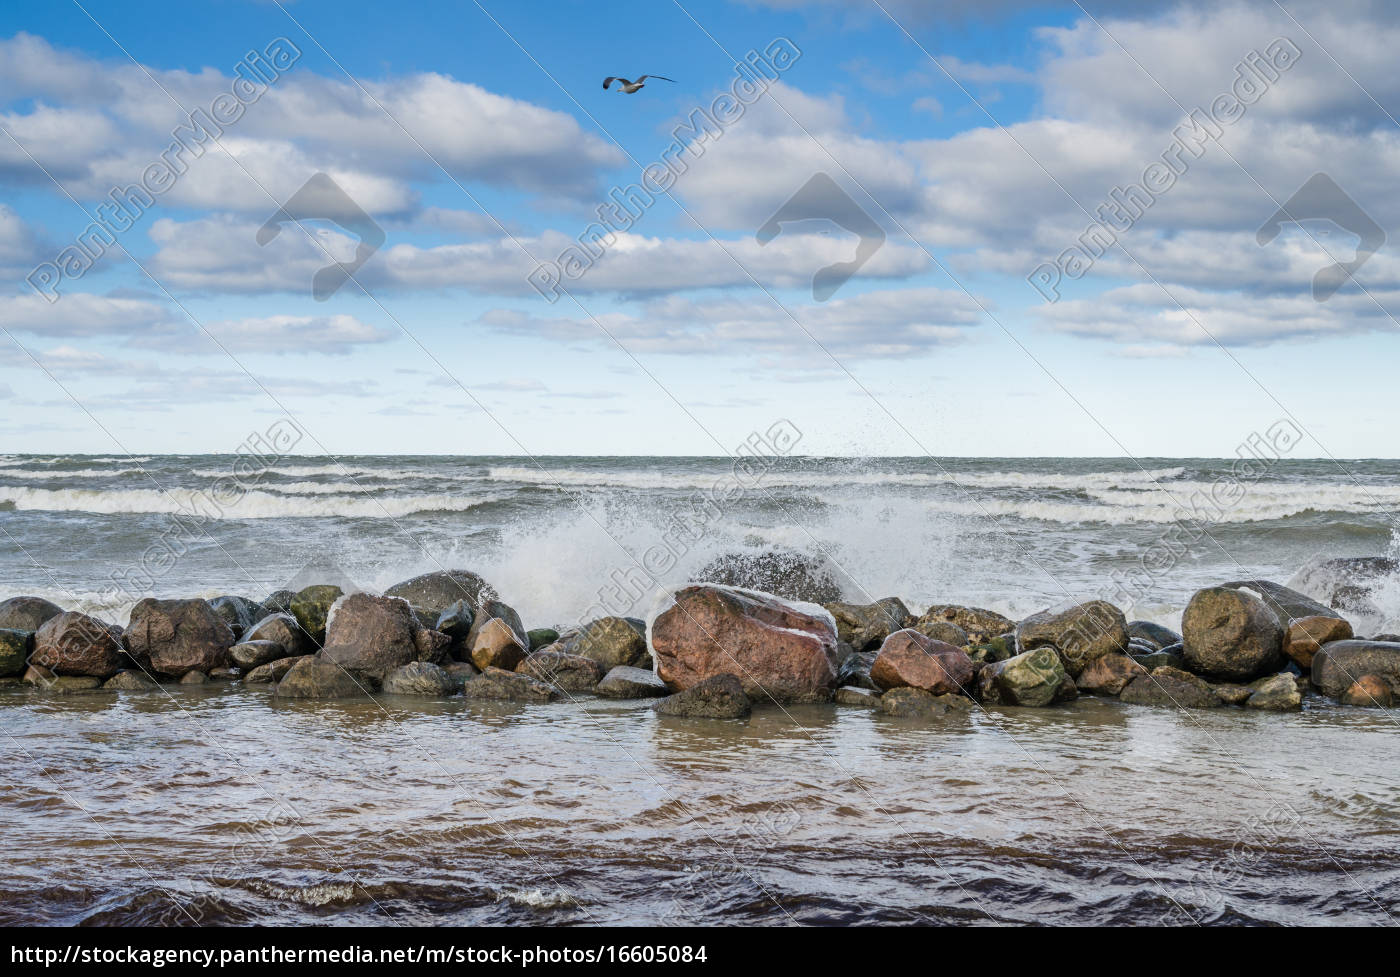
<point x="129" y="680"/>
<point x="919" y="704"/>
<point x="26" y="613"/>
<point x="625" y="682"/>
<point x="1170" y="687"/>
<point x="273" y="672"/>
<point x="1155" y="635"/>
<point x="1277" y="693"/>
<point x="978" y="623"/>
<point x="497" y="683"/>
<point x="249" y="655"/>
<point x="609" y="641"/>
<point x="1079" y="633"/>
<point x="311" y="678"/>
<point x="284" y="630"/>
<point x="569" y="673"/>
<point x="419" y="678"/>
<point x="864" y="626"/>
<point x="173" y="637"/>
<point x="1341" y="663"/>
<point x="370" y="636"/>
<point x="239" y="613"/>
<point x="433" y="593"/>
<point x="717" y="697"/>
<point x="1232" y="633"/>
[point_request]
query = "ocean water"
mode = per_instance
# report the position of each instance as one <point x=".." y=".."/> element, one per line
<point x="218" y="804"/>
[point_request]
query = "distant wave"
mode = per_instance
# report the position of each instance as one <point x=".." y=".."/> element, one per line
<point x="253" y="505"/>
<point x="83" y="473"/>
<point x="313" y="471"/>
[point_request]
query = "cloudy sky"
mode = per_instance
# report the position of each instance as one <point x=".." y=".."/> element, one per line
<point x="472" y="145"/>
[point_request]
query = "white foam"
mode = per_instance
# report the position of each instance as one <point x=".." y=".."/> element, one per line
<point x="251" y="505"/>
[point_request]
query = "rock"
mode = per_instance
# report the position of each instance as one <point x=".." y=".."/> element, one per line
<point x="370" y="636"/>
<point x="419" y="678"/>
<point x="1109" y="674"/>
<point x="239" y="613"/>
<point x="75" y="644"/>
<point x="850" y="695"/>
<point x="173" y="637"/>
<point x="27" y="613"/>
<point x="272" y="672"/>
<point x="782" y="573"/>
<point x="284" y="630"/>
<point x="129" y="680"/>
<point x="432" y="646"/>
<point x="1391" y="638"/>
<point x="610" y="641"/>
<point x="569" y="673"/>
<point x="997" y="649"/>
<point x="948" y="633"/>
<point x="312" y="678"/>
<point x="460" y="673"/>
<point x="539" y="637"/>
<point x="779" y="650"/>
<point x="1277" y="693"/>
<point x="1341" y="663"/>
<point x="1079" y="633"/>
<point x="14" y="650"/>
<point x="497" y="683"/>
<point x="433" y="593"/>
<point x="73" y="683"/>
<point x="1306" y="636"/>
<point x="224" y="674"/>
<point x="1231" y="633"/>
<point x="625" y="682"/>
<point x="1369" y="690"/>
<point x="279" y="602"/>
<point x="1346" y="583"/>
<point x="717" y="697"/>
<point x="1154" y="634"/>
<point x="908" y="658"/>
<point x="497" y="645"/>
<point x="1067" y="692"/>
<point x="249" y="655"/>
<point x="312" y="607"/>
<point x="456" y="622"/>
<point x="193" y="677"/>
<point x="1167" y="686"/>
<point x="1231" y="694"/>
<point x="38" y="675"/>
<point x="865" y="625"/>
<point x="1136" y="646"/>
<point x="979" y="624"/>
<point x="909" y="701"/>
<point x="495" y="610"/>
<point x="1029" y="679"/>
<point x="1164" y="657"/>
<point x="1285" y="602"/>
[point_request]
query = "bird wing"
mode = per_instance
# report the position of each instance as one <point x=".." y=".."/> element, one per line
<point x="661" y="77"/>
<point x="609" y="81"/>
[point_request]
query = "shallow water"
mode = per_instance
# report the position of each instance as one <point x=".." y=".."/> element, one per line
<point x="220" y="805"/>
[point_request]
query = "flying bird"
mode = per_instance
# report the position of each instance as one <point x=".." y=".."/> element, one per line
<point x="630" y="87"/>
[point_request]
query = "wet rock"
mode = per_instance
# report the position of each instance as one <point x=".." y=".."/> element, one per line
<point x="1109" y="674"/>
<point x="625" y="682"/>
<point x="433" y="593"/>
<point x="1079" y="633"/>
<point x="1156" y="635"/>
<point x="610" y="641"/>
<point x="67" y="684"/>
<point x="717" y="697"/>
<point x="1170" y="656"/>
<point x="570" y="673"/>
<point x="312" y="678"/>
<point x="1371" y="691"/>
<point x="495" y="610"/>
<point x="497" y="683"/>
<point x="778" y="649"/>
<point x="27" y="613"/>
<point x="1341" y="663"/>
<point x="129" y="680"/>
<point x="917" y="703"/>
<point x="947" y="632"/>
<point x="419" y="678"/>
<point x="1306" y="636"/>
<point x="865" y="625"/>
<point x="1171" y="687"/>
<point x="312" y="607"/>
<point x="432" y="646"/>
<point x="1277" y="693"/>
<point x="249" y="655"/>
<point x="1231" y="633"/>
<point x="1138" y="647"/>
<point x="370" y="636"/>
<point x="1029" y="679"/>
<point x="850" y="695"/>
<point x="272" y="672"/>
<point x="540" y="637"/>
<point x="14" y="651"/>
<point x="284" y="630"/>
<point x="279" y="602"/>
<point x="193" y="677"/>
<point x="173" y="637"/>
<point x="1067" y="692"/>
<point x="75" y="644"/>
<point x="782" y="573"/>
<point x="908" y="658"/>
<point x="456" y="622"/>
<point x="37" y="675"/>
<point x="239" y="613"/>
<point x="997" y="649"/>
<point x="224" y="674"/>
<point x="497" y="645"/>
<point x="460" y="673"/>
<point x="1232" y="695"/>
<point x="1285" y="602"/>
<point x="980" y="625"/>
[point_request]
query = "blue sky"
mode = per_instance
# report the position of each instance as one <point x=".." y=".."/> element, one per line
<point x="980" y="138"/>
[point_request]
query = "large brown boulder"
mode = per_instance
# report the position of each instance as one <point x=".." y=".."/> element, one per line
<point x="909" y="659"/>
<point x="174" y="637"/>
<point x="284" y="630"/>
<point x="609" y="641"/>
<point x="75" y="644"/>
<point x="1079" y="633"/>
<point x="370" y="636"/>
<point x="1342" y="663"/>
<point x="1370" y="691"/>
<point x="497" y="683"/>
<point x="779" y="650"/>
<point x="1231" y="633"/>
<point x="570" y="673"/>
<point x="864" y="626"/>
<point x="27" y="613"/>
<point x="433" y="593"/>
<point x="249" y="655"/>
<point x="1109" y="674"/>
<point x="1306" y="636"/>
<point x="1171" y="687"/>
<point x="498" y="645"/>
<point x="495" y="610"/>
<point x="717" y="697"/>
<point x="979" y="624"/>
<point x="311" y="678"/>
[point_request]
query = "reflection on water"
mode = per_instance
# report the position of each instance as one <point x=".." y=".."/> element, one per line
<point x="219" y="805"/>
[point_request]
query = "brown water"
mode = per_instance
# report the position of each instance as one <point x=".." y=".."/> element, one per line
<point x="220" y="805"/>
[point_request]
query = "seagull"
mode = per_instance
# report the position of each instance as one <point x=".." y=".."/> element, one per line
<point x="631" y="87"/>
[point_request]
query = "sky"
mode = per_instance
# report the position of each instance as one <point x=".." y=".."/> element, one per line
<point x="935" y="228"/>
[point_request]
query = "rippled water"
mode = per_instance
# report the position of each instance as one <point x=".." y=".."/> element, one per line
<point x="224" y="806"/>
